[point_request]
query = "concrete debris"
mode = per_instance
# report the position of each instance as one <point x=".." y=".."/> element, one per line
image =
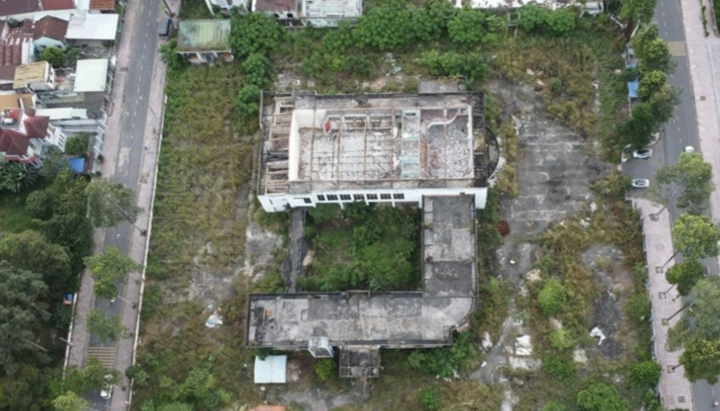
<point x="593" y="207"/>
<point x="580" y="356"/>
<point x="512" y="262"/>
<point x="530" y="72"/>
<point x="534" y="275"/>
<point x="530" y="364"/>
<point x="309" y="258"/>
<point x="556" y="324"/>
<point x="484" y="363"/>
<point x="597" y="332"/>
<point x="523" y="291"/>
<point x="214" y="320"/>
<point x="523" y="346"/>
<point x="585" y="222"/>
<point x="540" y="83"/>
<point x="487" y="342"/>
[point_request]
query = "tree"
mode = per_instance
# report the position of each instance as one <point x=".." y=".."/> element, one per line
<point x="94" y="376"/>
<point x="695" y="237"/>
<point x="256" y="68"/>
<point x="106" y="328"/>
<point x="651" y="82"/>
<point x="55" y="162"/>
<point x="685" y="275"/>
<point x="691" y="177"/>
<point x="652" y="51"/>
<point x="663" y="102"/>
<point x="15" y="177"/>
<point x="108" y="268"/>
<point x="706" y="308"/>
<point x="53" y="55"/>
<point x="701" y="360"/>
<point x="554" y="406"/>
<point x="645" y="374"/>
<point x="253" y="33"/>
<point x="247" y="103"/>
<point x="31" y="251"/>
<point x="467" y="28"/>
<point x="552" y="297"/>
<point x="560" y="22"/>
<point x="39" y="205"/>
<point x="641" y="10"/>
<point x="532" y="17"/>
<point x="430" y="399"/>
<point x="21" y="313"/>
<point x="431" y="20"/>
<point x="110" y="203"/>
<point x="77" y="145"/>
<point x="386" y="27"/>
<point x="637" y="130"/>
<point x="70" y="402"/>
<point x="471" y="65"/>
<point x="170" y="57"/>
<point x="601" y="397"/>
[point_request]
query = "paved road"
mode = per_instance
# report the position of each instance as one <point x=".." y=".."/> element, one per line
<point x="140" y="72"/>
<point x="679" y="132"/>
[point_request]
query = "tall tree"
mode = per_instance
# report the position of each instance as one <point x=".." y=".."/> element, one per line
<point x="108" y="268"/>
<point x="254" y="33"/>
<point x="31" y="251"/>
<point x="110" y="203"/>
<point x="70" y="402"/>
<point x="706" y="308"/>
<point x="601" y="397"/>
<point x="94" y="376"/>
<point x="467" y="27"/>
<point x="638" y="129"/>
<point x="695" y="237"/>
<point x="639" y="10"/>
<point x="21" y="313"/>
<point x="701" y="360"/>
<point x="691" y="176"/>
<point x="685" y="275"/>
<point x="652" y="50"/>
<point x="106" y="328"/>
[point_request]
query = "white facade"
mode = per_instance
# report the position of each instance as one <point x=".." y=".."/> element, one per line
<point x="328" y="13"/>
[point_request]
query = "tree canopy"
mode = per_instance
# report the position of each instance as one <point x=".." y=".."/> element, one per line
<point x="701" y="360"/>
<point x="253" y="33"/>
<point x="685" y="275"/>
<point x="21" y="313"/>
<point x="110" y="203"/>
<point x="695" y="237"/>
<point x="706" y="308"/>
<point x="70" y="402"/>
<point x="601" y="397"/>
<point x="642" y="10"/>
<point x="552" y="297"/>
<point x="691" y="176"/>
<point x="652" y="51"/>
<point x="106" y="328"/>
<point x="108" y="268"/>
<point x="467" y="28"/>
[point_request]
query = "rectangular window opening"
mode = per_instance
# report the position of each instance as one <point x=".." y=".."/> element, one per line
<point x="332" y="197"/>
<point x="345" y="197"/>
<point x="358" y="197"/>
<point x="399" y="196"/>
<point x="385" y="196"/>
<point x="320" y="197"/>
<point x="372" y="196"/>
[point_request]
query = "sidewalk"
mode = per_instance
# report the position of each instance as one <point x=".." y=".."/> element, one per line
<point x="675" y="389"/>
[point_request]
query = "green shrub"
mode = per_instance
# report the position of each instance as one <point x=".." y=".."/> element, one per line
<point x="324" y="213"/>
<point x="459" y="357"/>
<point x="77" y="145"/>
<point x="601" y="397"/>
<point x="638" y="307"/>
<point x="326" y="369"/>
<point x="554" y="406"/>
<point x="559" y="367"/>
<point x="645" y="374"/>
<point x="430" y="399"/>
<point x="552" y="297"/>
<point x="561" y="339"/>
<point x="39" y="204"/>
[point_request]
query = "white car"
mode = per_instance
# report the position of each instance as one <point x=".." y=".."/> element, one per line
<point x="644" y="154"/>
<point x="689" y="149"/>
<point x="106" y="392"/>
<point x="640" y="183"/>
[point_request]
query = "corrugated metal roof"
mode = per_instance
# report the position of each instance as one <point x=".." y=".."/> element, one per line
<point x="91" y="75"/>
<point x="203" y="35"/>
<point x="57" y="4"/>
<point x="92" y="27"/>
<point x="62" y="113"/>
<point x="102" y="4"/>
<point x="30" y="73"/>
<point x="271" y="370"/>
<point x="14" y="7"/>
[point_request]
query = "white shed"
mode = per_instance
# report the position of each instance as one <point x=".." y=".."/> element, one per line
<point x="91" y="75"/>
<point x="92" y="28"/>
<point x="271" y="370"/>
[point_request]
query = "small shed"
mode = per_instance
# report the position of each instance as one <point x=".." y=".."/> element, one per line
<point x="271" y="370"/>
<point x="92" y="29"/>
<point x="91" y="75"/>
<point x="165" y="27"/>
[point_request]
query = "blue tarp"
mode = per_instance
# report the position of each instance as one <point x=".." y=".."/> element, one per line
<point x="633" y="88"/>
<point x="77" y="164"/>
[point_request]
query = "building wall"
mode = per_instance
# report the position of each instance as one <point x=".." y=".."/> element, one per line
<point x="279" y="202"/>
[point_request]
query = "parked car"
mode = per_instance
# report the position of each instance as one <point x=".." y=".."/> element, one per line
<point x="644" y="154"/>
<point x="106" y="392"/>
<point x="689" y="149"/>
<point x="640" y="183"/>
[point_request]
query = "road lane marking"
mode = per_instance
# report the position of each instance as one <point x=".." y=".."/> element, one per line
<point x="677" y="48"/>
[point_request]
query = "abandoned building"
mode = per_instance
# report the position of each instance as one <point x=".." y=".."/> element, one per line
<point x="425" y="149"/>
<point x="382" y="148"/>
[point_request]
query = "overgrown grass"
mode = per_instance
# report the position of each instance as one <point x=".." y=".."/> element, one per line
<point x="13" y="215"/>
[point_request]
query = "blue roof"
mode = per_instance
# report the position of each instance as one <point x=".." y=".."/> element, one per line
<point x="633" y="88"/>
<point x="77" y="164"/>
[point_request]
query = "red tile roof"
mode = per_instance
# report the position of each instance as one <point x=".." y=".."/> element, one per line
<point x="50" y="27"/>
<point x="13" y="7"/>
<point x="57" y="4"/>
<point x="13" y="143"/>
<point x="36" y="127"/>
<point x="102" y="4"/>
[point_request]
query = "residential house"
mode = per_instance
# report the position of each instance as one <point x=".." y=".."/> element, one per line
<point x="91" y="76"/>
<point x="102" y="6"/>
<point x="92" y="29"/>
<point x="12" y="100"/>
<point x="49" y="31"/>
<point x="328" y="13"/>
<point x="38" y="76"/>
<point x="203" y="41"/>
<point x="16" y="39"/>
<point x="224" y="6"/>
<point x="35" y="9"/>
<point x="25" y="137"/>
<point x="282" y="9"/>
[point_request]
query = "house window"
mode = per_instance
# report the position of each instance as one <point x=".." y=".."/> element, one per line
<point x="345" y="197"/>
<point x="307" y="201"/>
<point x="359" y="197"/>
<point x="372" y="196"/>
<point x="385" y="196"/>
<point x="321" y="197"/>
<point x="332" y="197"/>
<point x="399" y="196"/>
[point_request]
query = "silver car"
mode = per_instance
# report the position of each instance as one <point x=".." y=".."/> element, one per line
<point x="640" y="183"/>
<point x="644" y="154"/>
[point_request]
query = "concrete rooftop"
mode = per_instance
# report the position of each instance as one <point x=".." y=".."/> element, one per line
<point x="400" y="319"/>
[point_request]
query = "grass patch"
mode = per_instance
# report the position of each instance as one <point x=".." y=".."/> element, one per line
<point x="13" y="215"/>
